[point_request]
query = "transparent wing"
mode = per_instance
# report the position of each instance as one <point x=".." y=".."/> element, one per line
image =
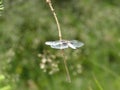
<point x="76" y="43"/>
<point x="64" y="44"/>
<point x="71" y="45"/>
<point x="53" y="42"/>
<point x="59" y="46"/>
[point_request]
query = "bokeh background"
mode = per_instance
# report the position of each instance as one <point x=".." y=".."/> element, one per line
<point x="26" y="63"/>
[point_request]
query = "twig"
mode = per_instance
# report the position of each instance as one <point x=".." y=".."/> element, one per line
<point x="60" y="37"/>
<point x="55" y="16"/>
<point x="66" y="68"/>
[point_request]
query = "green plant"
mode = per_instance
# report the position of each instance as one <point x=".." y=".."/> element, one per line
<point x="2" y="86"/>
<point x="1" y="5"/>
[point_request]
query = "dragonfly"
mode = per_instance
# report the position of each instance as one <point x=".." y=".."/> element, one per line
<point x="63" y="44"/>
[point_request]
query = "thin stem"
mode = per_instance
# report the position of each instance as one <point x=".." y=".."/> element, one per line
<point x="60" y="37"/>
<point x="97" y="82"/>
<point x="66" y="68"/>
<point x="55" y="16"/>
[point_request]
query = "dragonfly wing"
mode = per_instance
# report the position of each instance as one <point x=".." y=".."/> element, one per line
<point x="59" y="46"/>
<point x="71" y="45"/>
<point x="52" y="42"/>
<point x="76" y="43"/>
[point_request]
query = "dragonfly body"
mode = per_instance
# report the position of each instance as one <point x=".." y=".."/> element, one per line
<point x="62" y="44"/>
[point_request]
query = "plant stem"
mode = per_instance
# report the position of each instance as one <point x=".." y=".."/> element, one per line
<point x="55" y="16"/>
<point x="66" y="68"/>
<point x="97" y="82"/>
<point x="60" y="37"/>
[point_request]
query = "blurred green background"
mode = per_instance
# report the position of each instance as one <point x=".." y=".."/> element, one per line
<point x="28" y="64"/>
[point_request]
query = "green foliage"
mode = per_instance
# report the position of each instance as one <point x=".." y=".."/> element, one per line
<point x="2" y="86"/>
<point x="1" y="6"/>
<point x="26" y="25"/>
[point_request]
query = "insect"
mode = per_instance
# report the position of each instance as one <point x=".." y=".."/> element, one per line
<point x="62" y="44"/>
